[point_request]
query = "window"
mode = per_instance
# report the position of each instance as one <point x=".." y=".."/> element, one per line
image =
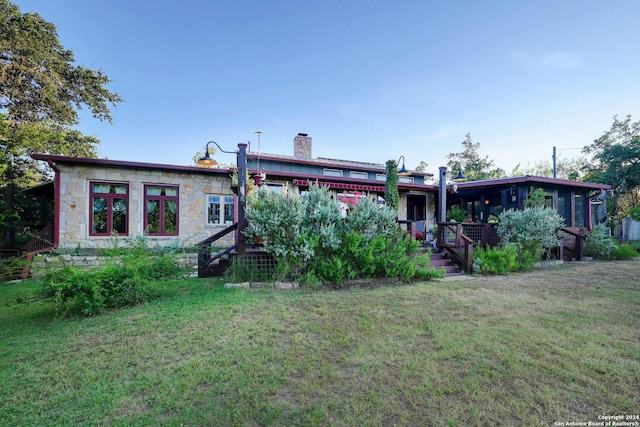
<point x="332" y="172"/>
<point x="359" y="175"/>
<point x="108" y="203"/>
<point x="219" y="209"/>
<point x="161" y="210"/>
<point x="580" y="210"/>
<point x="381" y="177"/>
<point x="406" y="179"/>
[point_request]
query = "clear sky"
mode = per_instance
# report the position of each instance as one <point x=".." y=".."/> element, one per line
<point x="368" y="80"/>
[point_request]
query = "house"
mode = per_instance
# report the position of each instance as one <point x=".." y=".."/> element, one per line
<point x="346" y="179"/>
<point x="97" y="199"/>
<point x="574" y="201"/>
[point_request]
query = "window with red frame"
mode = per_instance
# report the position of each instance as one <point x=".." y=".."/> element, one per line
<point x="161" y="210"/>
<point x="109" y="213"/>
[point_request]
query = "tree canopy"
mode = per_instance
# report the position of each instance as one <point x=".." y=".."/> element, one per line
<point x="570" y="168"/>
<point x="616" y="161"/>
<point x="473" y="166"/>
<point x="41" y="91"/>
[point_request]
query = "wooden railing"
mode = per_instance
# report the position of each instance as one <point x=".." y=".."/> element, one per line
<point x="453" y="240"/>
<point x="41" y="242"/>
<point x="572" y="240"/>
<point x="205" y="248"/>
<point x="483" y="234"/>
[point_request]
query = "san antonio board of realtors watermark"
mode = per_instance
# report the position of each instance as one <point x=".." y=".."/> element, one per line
<point x="632" y="420"/>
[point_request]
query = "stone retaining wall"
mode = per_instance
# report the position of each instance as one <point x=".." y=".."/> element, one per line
<point x="42" y="263"/>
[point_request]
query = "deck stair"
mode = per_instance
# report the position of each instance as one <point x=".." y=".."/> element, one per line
<point x="441" y="260"/>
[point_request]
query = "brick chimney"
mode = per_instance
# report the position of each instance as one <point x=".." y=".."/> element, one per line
<point x="302" y="146"/>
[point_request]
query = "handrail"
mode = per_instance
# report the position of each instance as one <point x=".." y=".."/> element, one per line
<point x="204" y="249"/>
<point x="460" y="243"/>
<point x="219" y="234"/>
<point x="580" y="237"/>
<point x="43" y="240"/>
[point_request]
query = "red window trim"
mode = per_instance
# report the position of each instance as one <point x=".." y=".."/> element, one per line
<point x="162" y="199"/>
<point x="109" y="197"/>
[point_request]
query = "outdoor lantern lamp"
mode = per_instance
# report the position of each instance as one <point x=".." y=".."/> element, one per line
<point x="403" y="171"/>
<point x="206" y="160"/>
<point x="459" y="177"/>
<point x="241" y="163"/>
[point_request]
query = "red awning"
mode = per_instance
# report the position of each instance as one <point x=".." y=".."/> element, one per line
<point x="341" y="185"/>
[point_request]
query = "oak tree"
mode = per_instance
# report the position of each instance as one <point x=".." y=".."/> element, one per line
<point x="41" y="90"/>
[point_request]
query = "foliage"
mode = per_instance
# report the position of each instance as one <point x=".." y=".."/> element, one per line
<point x="616" y="161"/>
<point x="279" y="220"/>
<point x="11" y="268"/>
<point x="422" y="166"/>
<point x="624" y="252"/>
<point x="122" y="282"/>
<point x="6" y="217"/>
<point x="502" y="260"/>
<point x="39" y="80"/>
<point x="473" y="166"/>
<point x="311" y="241"/>
<point x="40" y="91"/>
<point x="391" y="195"/>
<point x="533" y="229"/>
<point x="536" y="198"/>
<point x="634" y="213"/>
<point x="370" y="220"/>
<point x="599" y="244"/>
<point x="456" y="215"/>
<point x="571" y="168"/>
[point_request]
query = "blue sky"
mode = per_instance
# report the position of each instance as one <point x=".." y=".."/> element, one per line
<point x="368" y="80"/>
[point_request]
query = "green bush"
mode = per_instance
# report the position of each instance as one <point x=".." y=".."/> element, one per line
<point x="11" y="268"/>
<point x="456" y="215"/>
<point x="123" y="282"/>
<point x="533" y="230"/>
<point x="599" y="244"/>
<point x="312" y="242"/>
<point x="624" y="252"/>
<point x="502" y="260"/>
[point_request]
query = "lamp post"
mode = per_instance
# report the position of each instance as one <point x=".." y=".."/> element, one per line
<point x="241" y="162"/>
<point x="442" y="191"/>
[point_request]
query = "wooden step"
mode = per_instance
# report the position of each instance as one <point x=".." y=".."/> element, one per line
<point x="441" y="261"/>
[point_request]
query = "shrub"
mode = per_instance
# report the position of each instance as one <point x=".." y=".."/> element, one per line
<point x="456" y="215"/>
<point x="311" y="242"/>
<point x="533" y="230"/>
<point x="536" y="198"/>
<point x="599" y="244"/>
<point x="123" y="282"/>
<point x="11" y="268"/>
<point x="502" y="260"/>
<point x="624" y="252"/>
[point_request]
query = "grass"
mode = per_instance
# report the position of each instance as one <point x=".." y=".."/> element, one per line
<point x="559" y="344"/>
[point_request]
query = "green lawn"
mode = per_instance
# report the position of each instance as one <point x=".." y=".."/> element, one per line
<point x="560" y="344"/>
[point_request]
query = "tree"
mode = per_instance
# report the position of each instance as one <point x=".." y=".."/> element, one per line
<point x="391" y="195"/>
<point x="40" y="91"/>
<point x="474" y="167"/>
<point x="616" y="161"/>
<point x="571" y="168"/>
<point x="422" y="166"/>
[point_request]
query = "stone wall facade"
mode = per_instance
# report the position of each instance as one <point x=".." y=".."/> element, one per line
<point x="75" y="206"/>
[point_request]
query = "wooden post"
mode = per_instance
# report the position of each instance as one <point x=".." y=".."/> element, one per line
<point x="442" y="193"/>
<point x="242" y="197"/>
